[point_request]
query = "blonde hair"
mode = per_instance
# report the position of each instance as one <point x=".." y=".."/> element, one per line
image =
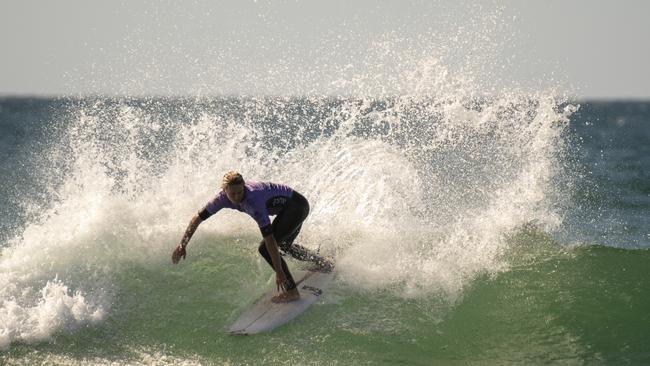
<point x="231" y="178"/>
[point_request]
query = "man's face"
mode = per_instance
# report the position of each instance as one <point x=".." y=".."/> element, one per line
<point x="235" y="193"/>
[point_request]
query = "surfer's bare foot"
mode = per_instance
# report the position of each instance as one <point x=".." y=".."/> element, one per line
<point x="287" y="296"/>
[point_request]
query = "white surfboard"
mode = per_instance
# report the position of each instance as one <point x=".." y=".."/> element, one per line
<point x="266" y="315"/>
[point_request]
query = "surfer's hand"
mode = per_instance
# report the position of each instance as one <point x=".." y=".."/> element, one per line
<point x="179" y="253"/>
<point x="281" y="280"/>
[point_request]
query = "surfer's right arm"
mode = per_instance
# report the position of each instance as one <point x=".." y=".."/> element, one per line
<point x="217" y="203"/>
<point x="179" y="252"/>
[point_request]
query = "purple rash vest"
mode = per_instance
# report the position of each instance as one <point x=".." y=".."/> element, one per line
<point x="261" y="199"/>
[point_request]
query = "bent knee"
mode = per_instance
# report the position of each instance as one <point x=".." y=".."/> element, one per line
<point x="262" y="248"/>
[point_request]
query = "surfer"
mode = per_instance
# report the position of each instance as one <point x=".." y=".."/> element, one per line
<point x="259" y="200"/>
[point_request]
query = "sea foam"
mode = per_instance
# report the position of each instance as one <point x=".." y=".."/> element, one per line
<point x="414" y="192"/>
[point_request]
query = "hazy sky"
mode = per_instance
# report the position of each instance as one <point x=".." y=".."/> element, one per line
<point x="589" y="49"/>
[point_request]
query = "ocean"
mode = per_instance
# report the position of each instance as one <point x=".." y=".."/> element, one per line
<point x="504" y="230"/>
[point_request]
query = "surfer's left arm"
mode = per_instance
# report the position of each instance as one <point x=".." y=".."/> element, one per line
<point x="272" y="248"/>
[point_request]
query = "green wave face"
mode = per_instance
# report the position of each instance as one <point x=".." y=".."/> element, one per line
<point x="581" y="305"/>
